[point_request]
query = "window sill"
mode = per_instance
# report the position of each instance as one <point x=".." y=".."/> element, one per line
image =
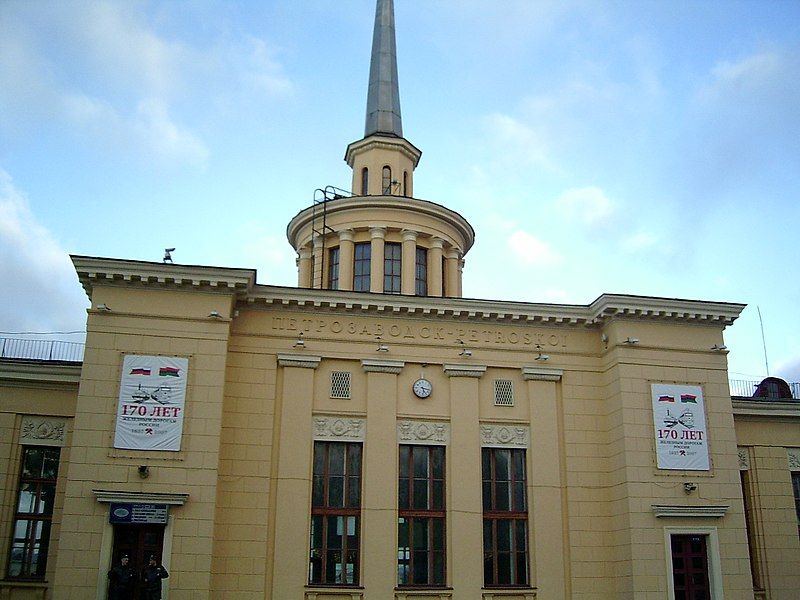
<point x="334" y="592"/>
<point x="408" y="593"/>
<point x="509" y="593"/>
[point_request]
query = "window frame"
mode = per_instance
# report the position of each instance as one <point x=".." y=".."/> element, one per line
<point x="421" y="272"/>
<point x="433" y="514"/>
<point x="324" y="512"/>
<point x="712" y="557"/>
<point x="392" y="267"/>
<point x="362" y="266"/>
<point x="386" y="180"/>
<point x="333" y="268"/>
<point x="515" y="517"/>
<point x="365" y="181"/>
<point x="38" y="519"/>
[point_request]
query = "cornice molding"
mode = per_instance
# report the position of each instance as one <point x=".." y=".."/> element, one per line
<point x="41" y="373"/>
<point x="402" y="204"/>
<point x="541" y="374"/>
<point x="711" y="511"/>
<point x="594" y="316"/>
<point x="302" y="361"/>
<point x="142" y="497"/>
<point x="394" y="367"/>
<point x="765" y="408"/>
<point x="379" y="142"/>
<point x="464" y="370"/>
<point x="112" y="271"/>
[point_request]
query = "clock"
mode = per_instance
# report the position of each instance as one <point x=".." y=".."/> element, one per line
<point x="422" y="388"/>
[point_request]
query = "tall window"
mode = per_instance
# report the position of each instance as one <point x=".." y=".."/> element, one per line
<point x="335" y="514"/>
<point x="505" y="517"/>
<point x="361" y="266"/>
<point x="333" y="269"/>
<point x="364" y="181"/>
<point x="392" y="261"/>
<point x="421" y="272"/>
<point x="386" y="181"/>
<point x="405" y="183"/>
<point x="421" y="520"/>
<point x="34" y="512"/>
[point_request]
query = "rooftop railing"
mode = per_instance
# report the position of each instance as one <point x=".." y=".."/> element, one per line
<point x="742" y="388"/>
<point x="41" y="350"/>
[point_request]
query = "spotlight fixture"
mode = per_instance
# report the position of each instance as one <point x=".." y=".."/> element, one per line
<point x="689" y="487"/>
<point x="214" y="314"/>
<point x="300" y="343"/>
<point x="631" y="340"/>
<point x="718" y="348"/>
<point x="464" y="350"/>
<point x="144" y="471"/>
<point x="541" y="356"/>
<point x="381" y="346"/>
<point x="103" y="307"/>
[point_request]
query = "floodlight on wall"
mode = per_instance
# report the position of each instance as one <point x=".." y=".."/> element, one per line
<point x="144" y="471"/>
<point x="464" y="350"/>
<point x="381" y="346"/>
<point x="214" y="314"/>
<point x="103" y="307"/>
<point x="541" y="356"/>
<point x="718" y="348"/>
<point x="689" y="487"/>
<point x="300" y="343"/>
<point x="631" y="340"/>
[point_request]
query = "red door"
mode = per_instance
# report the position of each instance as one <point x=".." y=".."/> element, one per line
<point x="690" y="567"/>
<point x="139" y="542"/>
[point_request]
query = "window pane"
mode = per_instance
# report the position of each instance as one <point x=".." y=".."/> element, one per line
<point x="32" y="463"/>
<point x="420" y="532"/>
<point x="501" y="460"/>
<point x="503" y="568"/>
<point x="502" y="496"/>
<point x="405" y="452"/>
<point x="50" y="463"/>
<point x="420" y="462"/>
<point x="438" y="495"/>
<point x="437" y="462"/>
<point x="438" y="534"/>
<point x="503" y="536"/>
<point x="336" y="459"/>
<point x="353" y="492"/>
<point x="403" y="493"/>
<point x="336" y="492"/>
<point x="27" y="498"/>
<point x="420" y="494"/>
<point x="335" y="530"/>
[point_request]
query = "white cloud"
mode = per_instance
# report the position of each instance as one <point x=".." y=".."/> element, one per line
<point x="261" y="70"/>
<point x="519" y="142"/>
<point x="589" y="205"/>
<point x="531" y="250"/>
<point x="40" y="291"/>
<point x="749" y="70"/>
<point x="641" y="240"/>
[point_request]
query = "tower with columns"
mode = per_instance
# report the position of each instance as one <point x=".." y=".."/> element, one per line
<point x="426" y="242"/>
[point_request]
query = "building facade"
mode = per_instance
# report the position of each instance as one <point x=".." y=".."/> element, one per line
<point x="372" y="434"/>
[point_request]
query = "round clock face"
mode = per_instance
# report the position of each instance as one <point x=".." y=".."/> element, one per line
<point x="422" y="388"/>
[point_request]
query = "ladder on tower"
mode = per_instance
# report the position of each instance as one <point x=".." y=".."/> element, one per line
<point x="320" y="230"/>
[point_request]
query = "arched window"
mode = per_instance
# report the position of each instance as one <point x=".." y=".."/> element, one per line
<point x="364" y="181"/>
<point x="386" y="181"/>
<point x="405" y="184"/>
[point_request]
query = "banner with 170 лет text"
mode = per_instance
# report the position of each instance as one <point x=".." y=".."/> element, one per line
<point x="681" y="435"/>
<point x="152" y="395"/>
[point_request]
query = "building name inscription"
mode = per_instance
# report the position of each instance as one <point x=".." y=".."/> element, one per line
<point x="436" y="333"/>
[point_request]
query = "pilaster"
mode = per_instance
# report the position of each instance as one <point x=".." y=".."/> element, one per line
<point x="409" y="264"/>
<point x="346" y="257"/>
<point x="435" y="273"/>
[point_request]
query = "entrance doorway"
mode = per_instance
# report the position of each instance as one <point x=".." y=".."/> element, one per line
<point x="139" y="542"/>
<point x="690" y="567"/>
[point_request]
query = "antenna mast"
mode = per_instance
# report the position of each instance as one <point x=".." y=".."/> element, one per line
<point x="763" y="340"/>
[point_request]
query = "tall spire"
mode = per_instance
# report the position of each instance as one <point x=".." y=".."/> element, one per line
<point x="383" y="97"/>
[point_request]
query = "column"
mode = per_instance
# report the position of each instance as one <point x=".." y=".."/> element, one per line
<point x="318" y="265"/>
<point x="346" y="251"/>
<point x="377" y="235"/>
<point x="452" y="256"/>
<point x="435" y="274"/>
<point x="289" y="566"/>
<point x="379" y="506"/>
<point x="408" y="283"/>
<point x="304" y="267"/>
<point x="465" y="508"/>
<point x="546" y="500"/>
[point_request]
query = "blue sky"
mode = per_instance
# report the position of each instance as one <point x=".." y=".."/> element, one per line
<point x="623" y="147"/>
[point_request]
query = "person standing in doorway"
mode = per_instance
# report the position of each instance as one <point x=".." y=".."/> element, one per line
<point x="151" y="578"/>
<point x="121" y="580"/>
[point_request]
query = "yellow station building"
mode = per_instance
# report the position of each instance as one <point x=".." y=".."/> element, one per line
<point x="371" y="434"/>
